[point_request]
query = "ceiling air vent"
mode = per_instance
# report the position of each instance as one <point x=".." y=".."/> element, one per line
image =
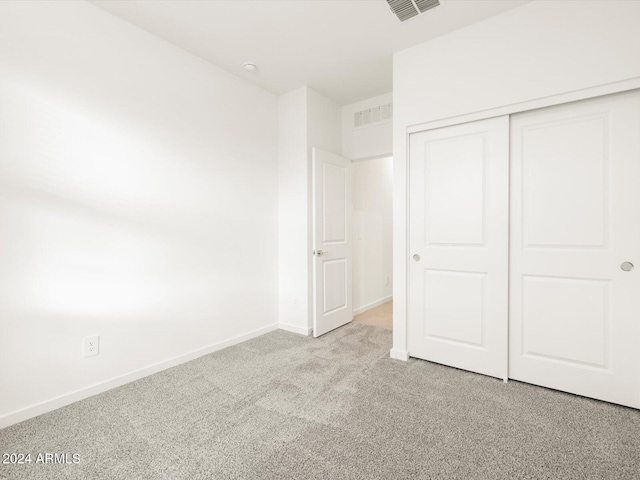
<point x="424" y="5"/>
<point x="406" y="9"/>
<point x="371" y="116"/>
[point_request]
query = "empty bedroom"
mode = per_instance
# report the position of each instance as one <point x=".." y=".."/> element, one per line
<point x="319" y="239"/>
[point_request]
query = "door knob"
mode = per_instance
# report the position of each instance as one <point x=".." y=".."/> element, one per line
<point x="416" y="257"/>
<point x="626" y="266"/>
<point x="319" y="253"/>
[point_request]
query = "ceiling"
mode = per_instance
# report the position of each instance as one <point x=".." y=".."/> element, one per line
<point x="341" y="48"/>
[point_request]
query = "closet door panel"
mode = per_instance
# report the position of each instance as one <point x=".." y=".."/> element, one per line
<point x="459" y="246"/>
<point x="575" y="219"/>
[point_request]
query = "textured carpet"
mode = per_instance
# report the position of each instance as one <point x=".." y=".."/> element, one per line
<point x="283" y="406"/>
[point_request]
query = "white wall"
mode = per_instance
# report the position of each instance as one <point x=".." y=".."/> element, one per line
<point x="293" y="211"/>
<point x="324" y="123"/>
<point x="535" y="51"/>
<point x="372" y="196"/>
<point x="306" y="120"/>
<point x="375" y="140"/>
<point x="138" y="201"/>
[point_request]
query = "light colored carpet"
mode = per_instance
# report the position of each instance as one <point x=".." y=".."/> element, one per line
<point x="284" y="406"/>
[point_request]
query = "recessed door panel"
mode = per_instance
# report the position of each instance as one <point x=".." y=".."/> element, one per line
<point x="334" y="203"/>
<point x="566" y="319"/>
<point x="446" y="317"/>
<point x="454" y="178"/>
<point x="575" y="218"/>
<point x="335" y="284"/>
<point x="569" y="207"/>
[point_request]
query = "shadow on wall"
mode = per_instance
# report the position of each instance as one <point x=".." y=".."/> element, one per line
<point x="114" y="230"/>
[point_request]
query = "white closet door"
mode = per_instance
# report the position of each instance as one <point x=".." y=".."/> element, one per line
<point x="459" y="187"/>
<point x="575" y="221"/>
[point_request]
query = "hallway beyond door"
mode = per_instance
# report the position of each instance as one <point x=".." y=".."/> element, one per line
<point x="381" y="316"/>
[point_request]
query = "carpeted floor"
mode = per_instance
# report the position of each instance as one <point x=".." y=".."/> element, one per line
<point x="284" y="406"/>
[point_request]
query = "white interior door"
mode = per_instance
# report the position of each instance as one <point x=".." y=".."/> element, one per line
<point x="459" y="214"/>
<point x="575" y="220"/>
<point x="332" y="305"/>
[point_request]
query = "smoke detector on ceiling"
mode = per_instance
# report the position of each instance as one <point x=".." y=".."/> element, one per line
<point x="250" y="67"/>
<point x="406" y="9"/>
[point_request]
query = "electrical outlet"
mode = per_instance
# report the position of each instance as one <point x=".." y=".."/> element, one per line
<point x="386" y="279"/>
<point x="91" y="346"/>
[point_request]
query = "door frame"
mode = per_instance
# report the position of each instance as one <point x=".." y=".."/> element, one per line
<point x="362" y="160"/>
<point x="402" y="173"/>
<point x="312" y="273"/>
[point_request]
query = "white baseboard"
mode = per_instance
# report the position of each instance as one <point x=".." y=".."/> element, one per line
<point x="358" y="311"/>
<point x="71" y="397"/>
<point x="399" y="354"/>
<point x="296" y="329"/>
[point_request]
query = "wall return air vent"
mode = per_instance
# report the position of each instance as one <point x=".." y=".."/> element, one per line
<point x="371" y="116"/>
<point x="406" y="9"/>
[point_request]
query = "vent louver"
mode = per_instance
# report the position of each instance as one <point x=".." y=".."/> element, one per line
<point x="371" y="116"/>
<point x="406" y="9"/>
<point x="424" y="5"/>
